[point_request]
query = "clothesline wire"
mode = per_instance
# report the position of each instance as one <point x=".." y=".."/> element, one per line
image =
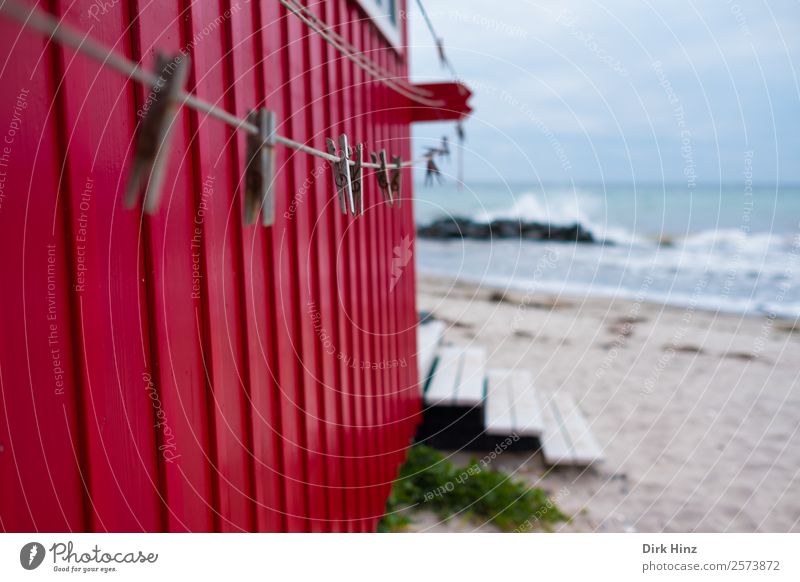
<point x="32" y="17"/>
<point x="359" y="59"/>
<point x="438" y="40"/>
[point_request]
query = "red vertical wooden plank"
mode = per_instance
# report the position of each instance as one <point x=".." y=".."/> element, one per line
<point x="220" y="295"/>
<point x="361" y="256"/>
<point x="387" y="301"/>
<point x="112" y="329"/>
<point x="248" y="74"/>
<point x="305" y="270"/>
<point x="374" y="324"/>
<point x="323" y="205"/>
<point x="40" y="487"/>
<point x="378" y="212"/>
<point x="173" y="245"/>
<point x="413" y="398"/>
<point x="333" y="99"/>
<point x="281" y="275"/>
<point x="395" y="281"/>
<point x="348" y="269"/>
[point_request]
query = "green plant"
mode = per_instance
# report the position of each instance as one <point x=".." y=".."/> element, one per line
<point x="429" y="481"/>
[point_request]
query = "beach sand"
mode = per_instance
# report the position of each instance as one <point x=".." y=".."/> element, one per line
<point x="698" y="412"/>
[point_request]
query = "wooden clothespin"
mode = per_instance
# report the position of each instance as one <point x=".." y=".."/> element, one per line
<point x="431" y="171"/>
<point x="153" y="141"/>
<point x="259" y="180"/>
<point x="341" y="173"/>
<point x="396" y="175"/>
<point x="358" y="183"/>
<point x="383" y="176"/>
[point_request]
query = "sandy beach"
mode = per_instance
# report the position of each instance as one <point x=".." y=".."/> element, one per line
<point x="696" y="411"/>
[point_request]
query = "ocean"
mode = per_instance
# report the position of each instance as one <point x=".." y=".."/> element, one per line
<point x="729" y="248"/>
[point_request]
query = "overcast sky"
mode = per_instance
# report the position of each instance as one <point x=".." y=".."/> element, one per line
<point x="620" y="90"/>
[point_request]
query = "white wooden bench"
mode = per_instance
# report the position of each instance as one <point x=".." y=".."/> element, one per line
<point x="458" y="378"/>
<point x="511" y="404"/>
<point x="567" y="438"/>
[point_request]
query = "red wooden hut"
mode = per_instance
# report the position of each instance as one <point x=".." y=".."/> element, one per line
<point x="183" y="370"/>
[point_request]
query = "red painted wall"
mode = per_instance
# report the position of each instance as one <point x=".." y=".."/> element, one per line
<point x="183" y="371"/>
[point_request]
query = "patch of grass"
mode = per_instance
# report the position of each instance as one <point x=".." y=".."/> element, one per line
<point x="429" y="481"/>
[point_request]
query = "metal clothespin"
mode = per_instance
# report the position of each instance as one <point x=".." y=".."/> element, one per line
<point x="358" y="183"/>
<point x="396" y="174"/>
<point x="335" y="168"/>
<point x="259" y="180"/>
<point x="383" y="176"/>
<point x="152" y="145"/>
<point x="341" y="173"/>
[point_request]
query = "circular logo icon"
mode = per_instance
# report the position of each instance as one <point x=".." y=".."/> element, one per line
<point x="31" y="555"/>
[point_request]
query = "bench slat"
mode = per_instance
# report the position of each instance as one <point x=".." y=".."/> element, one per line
<point x="429" y="336"/>
<point x="443" y="384"/>
<point x="526" y="409"/>
<point x="499" y="396"/>
<point x="469" y="391"/>
<point x="584" y="448"/>
<point x="555" y="447"/>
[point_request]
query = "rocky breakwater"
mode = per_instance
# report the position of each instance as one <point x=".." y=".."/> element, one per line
<point x="449" y="228"/>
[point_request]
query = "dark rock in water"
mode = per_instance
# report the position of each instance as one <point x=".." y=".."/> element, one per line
<point x="445" y="228"/>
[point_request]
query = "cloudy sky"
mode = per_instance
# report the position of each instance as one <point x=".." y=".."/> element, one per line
<point x="621" y="91"/>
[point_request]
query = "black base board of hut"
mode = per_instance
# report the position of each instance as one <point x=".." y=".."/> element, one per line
<point x="462" y="427"/>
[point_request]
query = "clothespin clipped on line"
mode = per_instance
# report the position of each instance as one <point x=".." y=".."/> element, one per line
<point x="153" y="141"/>
<point x="440" y="51"/>
<point x="358" y="182"/>
<point x="396" y="174"/>
<point x="259" y="191"/>
<point x="431" y="171"/>
<point x="341" y="173"/>
<point x="383" y="176"/>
